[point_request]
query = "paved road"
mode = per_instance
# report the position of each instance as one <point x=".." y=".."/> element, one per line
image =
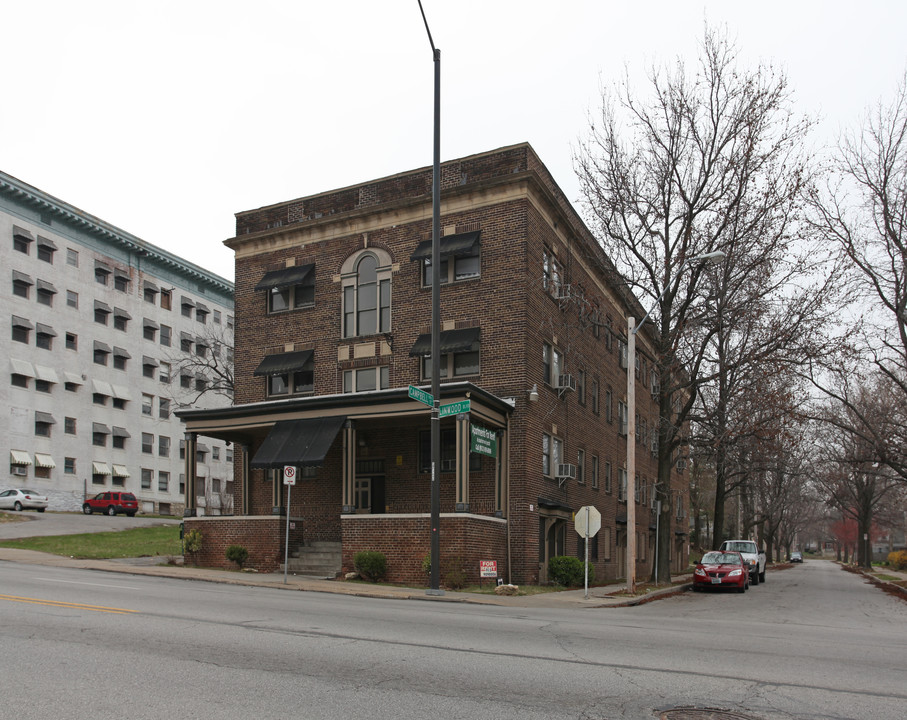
<point x="813" y="642"/>
<point x="33" y="524"/>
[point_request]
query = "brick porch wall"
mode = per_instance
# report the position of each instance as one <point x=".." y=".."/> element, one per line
<point x="405" y="541"/>
<point x="262" y="536"/>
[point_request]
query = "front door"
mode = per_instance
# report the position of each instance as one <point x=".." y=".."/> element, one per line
<point x="368" y="494"/>
<point x="552" y="539"/>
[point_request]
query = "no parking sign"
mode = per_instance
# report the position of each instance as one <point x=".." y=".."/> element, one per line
<point x="289" y="475"/>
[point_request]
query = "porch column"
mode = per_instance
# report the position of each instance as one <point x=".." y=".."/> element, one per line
<point x="349" y="466"/>
<point x="462" y="463"/>
<point x="502" y="473"/>
<point x="276" y="490"/>
<point x="191" y="509"/>
<point x="245" y="479"/>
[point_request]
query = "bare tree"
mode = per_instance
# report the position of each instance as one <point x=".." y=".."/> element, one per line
<point x="203" y="367"/>
<point x="863" y="211"/>
<point x="678" y="175"/>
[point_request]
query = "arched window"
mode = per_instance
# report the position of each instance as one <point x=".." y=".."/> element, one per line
<point x="367" y="295"/>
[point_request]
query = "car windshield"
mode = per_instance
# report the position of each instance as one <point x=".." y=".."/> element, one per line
<point x="26" y="491"/>
<point x="740" y="547"/>
<point x="719" y="558"/>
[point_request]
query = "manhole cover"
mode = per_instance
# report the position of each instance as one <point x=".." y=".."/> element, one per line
<point x="693" y="713"/>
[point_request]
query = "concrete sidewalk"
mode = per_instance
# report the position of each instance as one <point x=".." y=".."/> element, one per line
<point x="599" y="597"/>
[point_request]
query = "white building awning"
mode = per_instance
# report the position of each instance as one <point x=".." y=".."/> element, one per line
<point x="99" y="468"/>
<point x="101" y="388"/>
<point x="121" y="392"/>
<point x="46" y="373"/>
<point x="19" y="457"/>
<point x="44" y="461"/>
<point x="120" y="471"/>
<point x="21" y="367"/>
<point x="73" y="378"/>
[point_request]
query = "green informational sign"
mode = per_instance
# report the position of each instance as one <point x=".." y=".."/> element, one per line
<point x="420" y="395"/>
<point x="484" y="441"/>
<point x="454" y="408"/>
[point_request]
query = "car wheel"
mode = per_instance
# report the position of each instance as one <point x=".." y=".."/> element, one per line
<point x="18" y="506"/>
<point x="762" y="576"/>
<point x="742" y="588"/>
<point x="754" y="579"/>
<point x="87" y="509"/>
<point x="111" y="510"/>
<point x="41" y="509"/>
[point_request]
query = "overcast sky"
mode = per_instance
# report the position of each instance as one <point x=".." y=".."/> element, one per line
<point x="166" y="118"/>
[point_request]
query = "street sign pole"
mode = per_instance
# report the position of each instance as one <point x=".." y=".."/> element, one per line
<point x="286" y="544"/>
<point x="587" y="552"/>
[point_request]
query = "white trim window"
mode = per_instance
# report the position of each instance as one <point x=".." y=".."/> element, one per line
<point x="366" y="379"/>
<point x="366" y="282"/>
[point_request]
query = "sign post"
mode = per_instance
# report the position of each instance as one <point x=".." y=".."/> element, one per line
<point x="289" y="479"/>
<point x="588" y="521"/>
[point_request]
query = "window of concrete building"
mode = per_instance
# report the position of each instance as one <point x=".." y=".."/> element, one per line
<point x="69" y="425"/>
<point x="165" y="335"/>
<point x="201" y="384"/>
<point x="148" y="366"/>
<point x="215" y="453"/>
<point x="149" y="329"/>
<point x="43" y="386"/>
<point x="45" y="293"/>
<point x="166" y="299"/>
<point x="69" y="465"/>
<point x="163" y="481"/>
<point x="101" y="273"/>
<point x="101" y="312"/>
<point x="19" y="380"/>
<point x="72" y="257"/>
<point x="121" y="282"/>
<point x="149" y="292"/>
<point x="119" y="404"/>
<point x="72" y="299"/>
<point x="163" y="446"/>
<point x="186" y="381"/>
<point x="44" y="422"/>
<point x="72" y="341"/>
<point x="120" y="358"/>
<point x="147" y="404"/>
<point x="147" y="474"/>
<point x="121" y="319"/>
<point x="216" y="317"/>
<point x="147" y="443"/>
<point x="186" y="306"/>
<point x="44" y="336"/>
<point x="365" y="379"/>
<point x="21" y="329"/>
<point x="22" y="239"/>
<point x="21" y="284"/>
<point x="366" y="280"/>
<point x="165" y="371"/>
<point x="163" y="408"/>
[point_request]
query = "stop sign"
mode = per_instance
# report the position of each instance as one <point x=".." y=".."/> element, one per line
<point x="587" y="521"/>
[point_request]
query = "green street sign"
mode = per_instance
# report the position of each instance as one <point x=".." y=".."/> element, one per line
<point x="422" y="396"/>
<point x="454" y="408"/>
<point x="483" y="441"/>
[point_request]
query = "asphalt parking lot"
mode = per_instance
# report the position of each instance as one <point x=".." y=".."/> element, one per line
<point x="29" y="523"/>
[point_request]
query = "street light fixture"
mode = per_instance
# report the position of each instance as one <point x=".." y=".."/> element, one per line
<point x="632" y="329"/>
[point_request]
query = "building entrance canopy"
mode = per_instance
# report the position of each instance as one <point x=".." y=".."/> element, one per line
<point x="301" y="443"/>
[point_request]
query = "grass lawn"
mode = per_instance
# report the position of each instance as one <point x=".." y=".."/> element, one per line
<point x="138" y="542"/>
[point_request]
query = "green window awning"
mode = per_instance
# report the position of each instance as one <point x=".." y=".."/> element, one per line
<point x="283" y="363"/>
<point x="296" y="275"/>
<point x="460" y="244"/>
<point x="300" y="443"/>
<point x="465" y="340"/>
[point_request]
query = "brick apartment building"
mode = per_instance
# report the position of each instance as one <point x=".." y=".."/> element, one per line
<point x="333" y="315"/>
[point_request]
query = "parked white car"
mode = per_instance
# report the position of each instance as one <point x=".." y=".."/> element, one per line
<point x="752" y="554"/>
<point x="22" y="499"/>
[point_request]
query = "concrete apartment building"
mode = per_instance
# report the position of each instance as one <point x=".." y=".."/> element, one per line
<point x="333" y="324"/>
<point x="107" y="336"/>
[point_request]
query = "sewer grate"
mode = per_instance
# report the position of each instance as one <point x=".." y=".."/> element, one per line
<point x="695" y="713"/>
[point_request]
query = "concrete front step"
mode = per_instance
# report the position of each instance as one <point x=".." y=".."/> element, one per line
<point x="320" y="559"/>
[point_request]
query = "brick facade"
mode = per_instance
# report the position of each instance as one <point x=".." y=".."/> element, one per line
<point x="524" y="221"/>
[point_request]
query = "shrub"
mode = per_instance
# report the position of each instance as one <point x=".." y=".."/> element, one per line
<point x="568" y="571"/>
<point x="192" y="541"/>
<point x="898" y="559"/>
<point x="454" y="573"/>
<point x="237" y="554"/>
<point x="426" y="565"/>
<point x="370" y="564"/>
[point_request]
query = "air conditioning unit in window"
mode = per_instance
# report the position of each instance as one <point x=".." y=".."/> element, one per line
<point x="566" y="382"/>
<point x="566" y="471"/>
<point x="18" y="470"/>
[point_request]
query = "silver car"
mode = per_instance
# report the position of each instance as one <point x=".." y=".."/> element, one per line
<point x="22" y="499"/>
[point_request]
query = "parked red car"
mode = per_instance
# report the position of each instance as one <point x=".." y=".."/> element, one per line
<point x="721" y="570"/>
<point x="112" y="503"/>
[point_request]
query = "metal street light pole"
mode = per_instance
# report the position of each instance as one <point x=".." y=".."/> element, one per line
<point x="632" y="329"/>
<point x="434" y="584"/>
